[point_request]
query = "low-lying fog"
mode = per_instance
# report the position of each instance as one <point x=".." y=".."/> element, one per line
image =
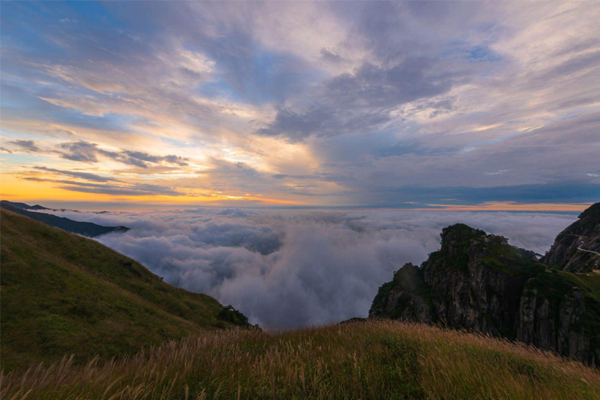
<point x="285" y="268"/>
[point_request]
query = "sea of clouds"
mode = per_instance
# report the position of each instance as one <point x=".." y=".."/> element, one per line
<point x="290" y="268"/>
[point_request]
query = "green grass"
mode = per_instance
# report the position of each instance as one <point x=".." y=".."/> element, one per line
<point x="563" y="282"/>
<point x="588" y="284"/>
<point x="363" y="360"/>
<point x="65" y="294"/>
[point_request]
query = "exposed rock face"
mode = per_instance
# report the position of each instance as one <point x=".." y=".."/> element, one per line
<point x="406" y="298"/>
<point x="577" y="248"/>
<point x="479" y="282"/>
<point x="555" y="315"/>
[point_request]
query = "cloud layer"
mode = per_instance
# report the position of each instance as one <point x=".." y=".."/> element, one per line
<point x="291" y="269"/>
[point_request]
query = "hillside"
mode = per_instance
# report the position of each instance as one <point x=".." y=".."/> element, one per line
<point x="364" y="360"/>
<point x="65" y="294"/>
<point x="88" y="229"/>
<point x="479" y="282"/>
<point x="577" y="248"/>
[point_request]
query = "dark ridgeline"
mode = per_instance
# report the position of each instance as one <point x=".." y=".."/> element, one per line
<point x="88" y="229"/>
<point x="577" y="248"/>
<point x="479" y="282"/>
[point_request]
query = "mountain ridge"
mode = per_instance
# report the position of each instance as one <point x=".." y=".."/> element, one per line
<point x="481" y="283"/>
<point x="88" y="229"/>
<point x="577" y="247"/>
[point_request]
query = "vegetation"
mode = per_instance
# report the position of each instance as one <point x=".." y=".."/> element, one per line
<point x="408" y="279"/>
<point x="366" y="360"/>
<point x="556" y="285"/>
<point x="65" y="294"/>
<point x="232" y="315"/>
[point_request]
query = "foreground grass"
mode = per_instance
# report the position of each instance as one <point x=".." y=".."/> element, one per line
<point x="371" y="360"/>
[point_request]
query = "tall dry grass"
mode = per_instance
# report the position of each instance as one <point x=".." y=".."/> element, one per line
<point x="372" y="360"/>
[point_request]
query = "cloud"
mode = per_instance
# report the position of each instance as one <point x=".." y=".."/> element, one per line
<point x="363" y="100"/>
<point x="299" y="268"/>
<point x="378" y="86"/>
<point x="141" y="156"/>
<point x="82" y="175"/>
<point x="130" y="190"/>
<point x="331" y="57"/>
<point x="27" y="145"/>
<point x="105" y="187"/>
<point x="89" y="152"/>
<point x="82" y="151"/>
<point x="500" y="172"/>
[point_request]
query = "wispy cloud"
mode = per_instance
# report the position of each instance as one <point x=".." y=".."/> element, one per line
<point x="82" y="175"/>
<point x="90" y="152"/>
<point x="26" y="145"/>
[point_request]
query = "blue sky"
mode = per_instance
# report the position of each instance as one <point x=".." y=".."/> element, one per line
<point x="372" y="104"/>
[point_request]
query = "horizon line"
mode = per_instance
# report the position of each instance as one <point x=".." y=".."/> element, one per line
<point x="479" y="207"/>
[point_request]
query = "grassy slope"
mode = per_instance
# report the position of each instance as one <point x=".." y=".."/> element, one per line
<point x="62" y="293"/>
<point x="365" y="360"/>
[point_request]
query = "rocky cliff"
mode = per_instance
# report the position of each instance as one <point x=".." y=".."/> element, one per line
<point x="479" y="282"/>
<point x="577" y="248"/>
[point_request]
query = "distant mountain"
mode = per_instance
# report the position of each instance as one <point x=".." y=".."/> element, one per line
<point x="479" y="282"/>
<point x="21" y="206"/>
<point x="577" y="248"/>
<point x="88" y="229"/>
<point x="66" y="294"/>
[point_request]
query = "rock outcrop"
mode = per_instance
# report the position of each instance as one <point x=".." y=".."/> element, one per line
<point x="560" y="311"/>
<point x="577" y="248"/>
<point x="481" y="283"/>
<point x="405" y="298"/>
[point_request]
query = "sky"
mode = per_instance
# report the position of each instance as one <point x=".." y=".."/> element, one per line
<point x="443" y="105"/>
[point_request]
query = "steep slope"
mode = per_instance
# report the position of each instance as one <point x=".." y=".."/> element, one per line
<point x="479" y="282"/>
<point x="65" y="294"/>
<point x="560" y="311"/>
<point x="88" y="229"/>
<point x="577" y="248"/>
